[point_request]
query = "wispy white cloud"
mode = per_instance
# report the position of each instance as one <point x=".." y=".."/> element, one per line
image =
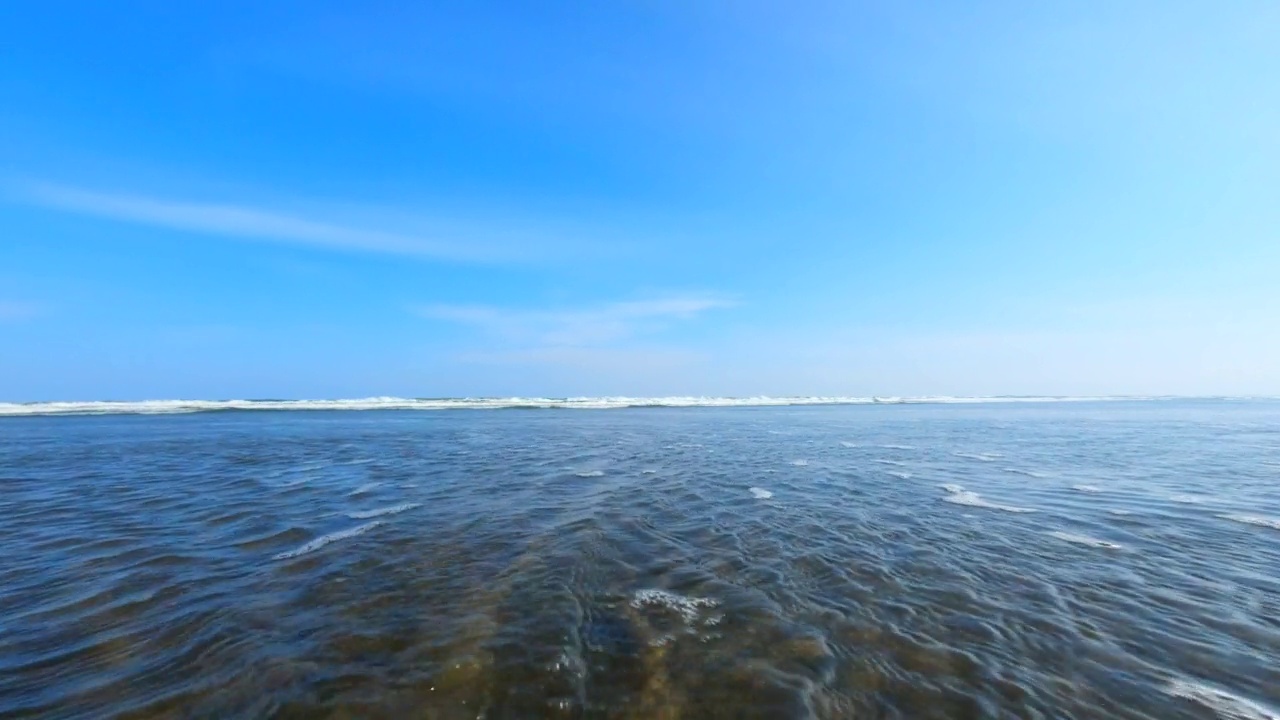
<point x="575" y="327"/>
<point x="16" y="311"/>
<point x="257" y="224"/>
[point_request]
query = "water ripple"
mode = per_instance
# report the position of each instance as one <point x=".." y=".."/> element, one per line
<point x="1116" y="562"/>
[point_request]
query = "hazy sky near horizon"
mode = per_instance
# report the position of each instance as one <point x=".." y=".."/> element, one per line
<point x="325" y="199"/>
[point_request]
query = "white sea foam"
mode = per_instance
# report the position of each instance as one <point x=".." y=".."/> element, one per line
<point x="959" y="496"/>
<point x="1084" y="540"/>
<point x="688" y="608"/>
<point x="1258" y="520"/>
<point x="1028" y="473"/>
<point x="760" y="493"/>
<point x="367" y="487"/>
<point x="378" y="512"/>
<point x="327" y="539"/>
<point x="590" y="473"/>
<point x="1087" y="488"/>
<point x="800" y="463"/>
<point x="1118" y="511"/>
<point x="898" y="447"/>
<point x="896" y="463"/>
<point x="1225" y="704"/>
<point x="583" y="403"/>
<point x="648" y="472"/>
<point x="846" y="443"/>
<point x="899" y="474"/>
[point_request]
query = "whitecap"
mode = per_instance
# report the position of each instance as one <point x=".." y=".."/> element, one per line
<point x="1226" y="705"/>
<point x="846" y="443"/>
<point x="952" y="487"/>
<point x="1087" y="488"/>
<point x="1258" y="520"/>
<point x="327" y="539"/>
<point x="760" y="493"/>
<point x="648" y="472"/>
<point x="1084" y="540"/>
<point x="897" y="463"/>
<point x="898" y="474"/>
<point x="898" y="447"/>
<point x="800" y="463"/>
<point x="688" y="608"/>
<point x="959" y="496"/>
<point x="1118" y="511"/>
<point x="1028" y="473"/>
<point x="390" y="510"/>
<point x="590" y="473"/>
<point x="364" y="488"/>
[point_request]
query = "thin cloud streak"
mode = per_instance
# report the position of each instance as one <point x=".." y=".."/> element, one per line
<point x="249" y="223"/>
<point x="582" y="327"/>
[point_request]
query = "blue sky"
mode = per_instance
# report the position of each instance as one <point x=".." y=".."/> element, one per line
<point x="318" y="199"/>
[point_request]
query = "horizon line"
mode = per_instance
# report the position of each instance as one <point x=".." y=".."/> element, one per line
<point x="174" y="406"/>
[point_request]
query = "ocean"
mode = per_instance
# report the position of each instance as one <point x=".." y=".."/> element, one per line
<point x="680" y="559"/>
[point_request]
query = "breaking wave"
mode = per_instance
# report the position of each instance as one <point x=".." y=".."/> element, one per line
<point x="329" y="539"/>
<point x="1221" y="702"/>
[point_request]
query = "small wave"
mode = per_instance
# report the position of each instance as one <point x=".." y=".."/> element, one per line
<point x="982" y="456"/>
<point x="959" y="496"/>
<point x="648" y="472"/>
<point x="688" y="608"/>
<point x="1188" y="499"/>
<point x="846" y="443"/>
<point x="1086" y="488"/>
<point x="1084" y="540"/>
<point x="590" y="473"/>
<point x="367" y="487"/>
<point x="899" y="474"/>
<point x="1028" y="473"/>
<point x="760" y="493"/>
<point x="952" y="487"/>
<point x="1258" y="520"/>
<point x="898" y="447"/>
<point x="895" y="463"/>
<point x="1118" y="511"/>
<point x="327" y="539"/>
<point x="800" y="463"/>
<point x="1226" y="705"/>
<point x="390" y="510"/>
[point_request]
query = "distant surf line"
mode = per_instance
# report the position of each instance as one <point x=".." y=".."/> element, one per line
<point x="163" y="407"/>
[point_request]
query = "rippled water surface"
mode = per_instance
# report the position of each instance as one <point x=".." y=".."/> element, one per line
<point x="1088" y="560"/>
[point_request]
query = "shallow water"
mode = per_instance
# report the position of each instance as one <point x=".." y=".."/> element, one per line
<point x="1087" y="560"/>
